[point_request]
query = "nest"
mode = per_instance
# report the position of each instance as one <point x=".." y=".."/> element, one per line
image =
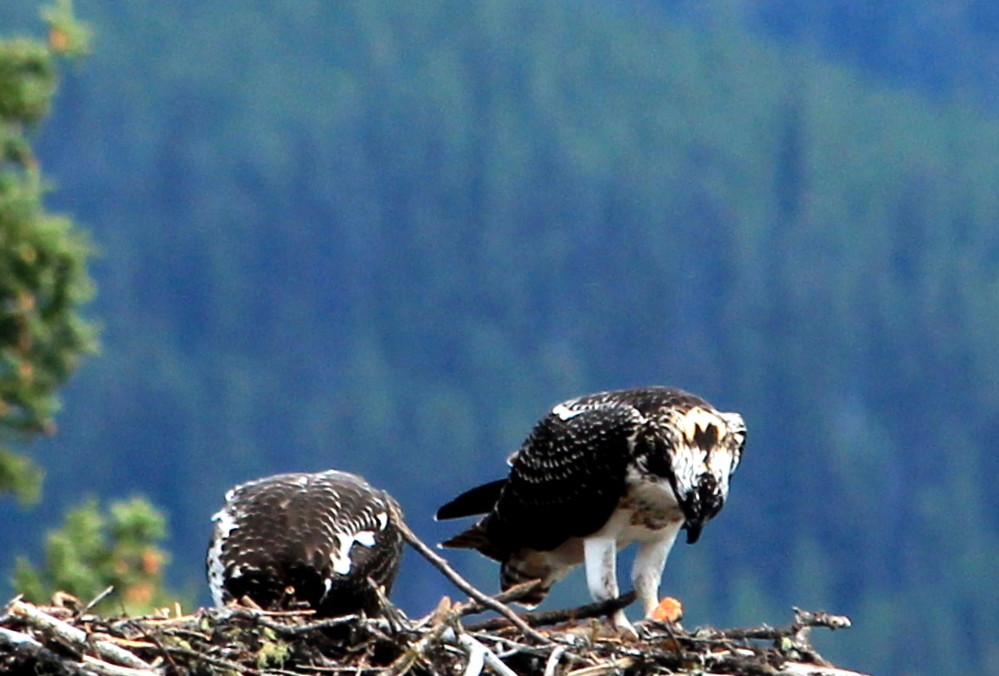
<point x="236" y="640"/>
<point x="67" y="639"/>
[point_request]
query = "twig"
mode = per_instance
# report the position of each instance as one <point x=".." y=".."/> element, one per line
<point x="612" y="667"/>
<point x="75" y="637"/>
<point x="799" y="669"/>
<point x="807" y="619"/>
<point x="151" y="635"/>
<point x="476" y="658"/>
<point x="18" y="638"/>
<point x="797" y="630"/>
<point x="514" y="593"/>
<point x="599" y="609"/>
<point x="552" y="664"/>
<point x="235" y="667"/>
<point x="405" y="662"/>
<point x="396" y="619"/>
<point x="108" y="669"/>
<point x="97" y="599"/>
<point x="480" y="651"/>
<point x="790" y="640"/>
<point x="319" y="625"/>
<point x="247" y="613"/>
<point x="44" y="658"/>
<point x="461" y="583"/>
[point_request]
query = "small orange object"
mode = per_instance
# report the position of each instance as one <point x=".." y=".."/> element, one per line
<point x="152" y="561"/>
<point x="668" y="610"/>
<point x="58" y="39"/>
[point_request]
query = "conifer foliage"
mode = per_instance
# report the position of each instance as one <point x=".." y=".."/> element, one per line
<point x="44" y="286"/>
<point x="43" y="257"/>
<point x="96" y="548"/>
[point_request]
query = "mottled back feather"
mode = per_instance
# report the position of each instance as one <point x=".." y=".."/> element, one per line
<point x="305" y="540"/>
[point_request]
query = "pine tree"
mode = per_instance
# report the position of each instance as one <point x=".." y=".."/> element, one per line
<point x="43" y="257"/>
<point x="98" y="548"/>
<point x="44" y="286"/>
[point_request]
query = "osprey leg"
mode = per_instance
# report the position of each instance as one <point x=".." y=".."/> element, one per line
<point x="647" y="571"/>
<point x="601" y="575"/>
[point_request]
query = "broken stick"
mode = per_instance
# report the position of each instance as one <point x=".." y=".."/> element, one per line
<point x="461" y="583"/>
<point x="76" y="637"/>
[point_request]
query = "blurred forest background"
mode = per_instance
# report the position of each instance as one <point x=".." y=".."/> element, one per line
<point x="386" y="237"/>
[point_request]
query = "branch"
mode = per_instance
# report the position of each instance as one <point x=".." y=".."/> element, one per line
<point x="76" y="637"/>
<point x="27" y="647"/>
<point x="799" y="669"/>
<point x="798" y="629"/>
<point x="108" y="669"/>
<point x="97" y="599"/>
<point x="18" y="638"/>
<point x="461" y="583"/>
<point x="514" y="593"/>
<point x="598" y="609"/>
<point x="790" y="639"/>
<point x="296" y="629"/>
<point x="479" y="654"/>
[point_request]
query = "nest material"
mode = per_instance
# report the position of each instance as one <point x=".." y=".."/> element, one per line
<point x="66" y="639"/>
<point x="234" y="640"/>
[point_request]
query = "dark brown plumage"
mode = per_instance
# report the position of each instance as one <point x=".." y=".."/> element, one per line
<point x="312" y="540"/>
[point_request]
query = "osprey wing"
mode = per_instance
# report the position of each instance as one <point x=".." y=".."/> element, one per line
<point x="568" y="476"/>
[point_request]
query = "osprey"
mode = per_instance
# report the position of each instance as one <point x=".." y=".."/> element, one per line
<point x="597" y="473"/>
<point x="320" y="540"/>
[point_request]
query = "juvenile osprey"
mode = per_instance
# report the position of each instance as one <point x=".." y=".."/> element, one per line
<point x="312" y="539"/>
<point x="597" y="473"/>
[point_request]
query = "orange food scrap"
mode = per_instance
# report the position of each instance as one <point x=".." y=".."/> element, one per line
<point x="668" y="610"/>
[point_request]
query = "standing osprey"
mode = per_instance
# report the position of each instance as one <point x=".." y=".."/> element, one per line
<point x="597" y="473"/>
<point x="312" y="539"/>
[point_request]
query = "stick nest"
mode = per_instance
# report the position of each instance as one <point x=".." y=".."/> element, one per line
<point x="237" y="640"/>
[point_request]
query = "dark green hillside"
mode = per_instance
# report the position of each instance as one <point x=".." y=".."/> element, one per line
<point x="387" y="237"/>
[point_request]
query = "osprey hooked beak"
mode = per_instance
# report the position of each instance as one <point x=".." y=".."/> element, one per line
<point x="701" y="504"/>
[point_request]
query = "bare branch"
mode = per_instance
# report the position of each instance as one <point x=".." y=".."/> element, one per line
<point x="461" y="583"/>
<point x="75" y="637"/>
<point x="599" y="609"/>
<point x="97" y="599"/>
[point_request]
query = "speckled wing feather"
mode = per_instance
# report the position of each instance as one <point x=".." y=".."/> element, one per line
<point x="311" y="539"/>
<point x="569" y="475"/>
<point x="566" y="479"/>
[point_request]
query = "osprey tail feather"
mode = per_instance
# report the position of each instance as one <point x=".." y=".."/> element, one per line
<point x="478" y="500"/>
<point x="477" y="539"/>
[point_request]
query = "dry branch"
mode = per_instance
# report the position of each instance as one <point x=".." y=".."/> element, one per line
<point x="76" y="638"/>
<point x="542" y="619"/>
<point x="461" y="583"/>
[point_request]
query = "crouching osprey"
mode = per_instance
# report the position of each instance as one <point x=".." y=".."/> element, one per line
<point x="597" y="473"/>
<point x="320" y="540"/>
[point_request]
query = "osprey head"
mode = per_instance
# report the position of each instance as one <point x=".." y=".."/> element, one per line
<point x="707" y="446"/>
